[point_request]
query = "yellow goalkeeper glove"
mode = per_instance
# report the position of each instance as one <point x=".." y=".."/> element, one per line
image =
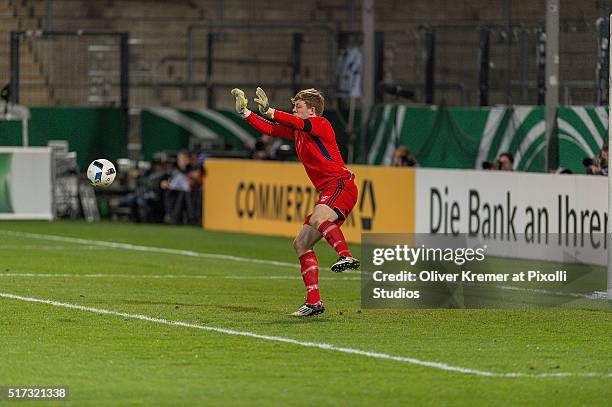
<point x="262" y="101"/>
<point x="241" y="102"/>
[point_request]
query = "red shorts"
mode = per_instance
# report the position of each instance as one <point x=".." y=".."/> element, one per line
<point x="341" y="197"/>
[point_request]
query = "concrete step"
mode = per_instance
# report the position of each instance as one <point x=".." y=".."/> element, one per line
<point x="8" y="23"/>
<point x="35" y="101"/>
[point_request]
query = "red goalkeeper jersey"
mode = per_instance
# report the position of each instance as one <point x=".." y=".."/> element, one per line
<point x="315" y="144"/>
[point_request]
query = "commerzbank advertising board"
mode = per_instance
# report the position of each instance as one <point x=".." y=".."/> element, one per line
<point x="274" y="198"/>
<point x="523" y="215"/>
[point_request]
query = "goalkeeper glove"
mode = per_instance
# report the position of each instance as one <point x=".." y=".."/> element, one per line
<point x="241" y="102"/>
<point x="262" y="101"/>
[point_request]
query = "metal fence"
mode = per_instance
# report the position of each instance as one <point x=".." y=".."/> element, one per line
<point x="281" y="57"/>
<point x="487" y="63"/>
<point x="75" y="68"/>
<point x="69" y="68"/>
<point x="475" y="64"/>
<point x="460" y="64"/>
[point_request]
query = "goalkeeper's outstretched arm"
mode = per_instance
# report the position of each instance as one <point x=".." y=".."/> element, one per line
<point x="260" y="124"/>
<point x="271" y="129"/>
<point x="283" y="118"/>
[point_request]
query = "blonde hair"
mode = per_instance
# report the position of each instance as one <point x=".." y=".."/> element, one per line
<point x="312" y="98"/>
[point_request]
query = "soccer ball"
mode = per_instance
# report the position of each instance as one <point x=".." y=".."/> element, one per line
<point x="101" y="173"/>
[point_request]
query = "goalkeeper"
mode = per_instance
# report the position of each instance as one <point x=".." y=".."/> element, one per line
<point x="315" y="145"/>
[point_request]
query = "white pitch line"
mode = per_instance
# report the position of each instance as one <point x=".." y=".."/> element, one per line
<point x="590" y="296"/>
<point x="150" y="249"/>
<point x="166" y="276"/>
<point x="47" y="247"/>
<point x="63" y="275"/>
<point x="324" y="346"/>
<point x="291" y="278"/>
<point x="127" y="246"/>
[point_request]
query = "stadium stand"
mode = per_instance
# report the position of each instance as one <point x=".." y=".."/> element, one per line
<point x="36" y="90"/>
<point x="158" y="32"/>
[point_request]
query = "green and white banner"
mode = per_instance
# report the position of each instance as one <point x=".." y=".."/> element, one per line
<point x="170" y="129"/>
<point x="446" y="138"/>
<point x="465" y="138"/>
<point x="26" y="183"/>
<point x="582" y="131"/>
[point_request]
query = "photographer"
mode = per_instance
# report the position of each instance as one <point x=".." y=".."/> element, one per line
<point x="597" y="165"/>
<point x="404" y="158"/>
<point x="155" y="188"/>
<point x="505" y="162"/>
<point x="179" y="205"/>
<point x="488" y="166"/>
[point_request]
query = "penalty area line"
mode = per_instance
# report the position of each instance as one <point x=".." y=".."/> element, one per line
<point x="323" y="346"/>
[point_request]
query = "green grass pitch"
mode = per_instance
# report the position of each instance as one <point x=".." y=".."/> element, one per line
<point x="119" y="360"/>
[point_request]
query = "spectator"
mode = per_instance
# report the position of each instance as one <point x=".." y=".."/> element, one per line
<point x="488" y="166"/>
<point x="403" y="157"/>
<point x="180" y="208"/>
<point x="267" y="148"/>
<point x="196" y="182"/>
<point x="259" y="151"/>
<point x="155" y="188"/>
<point x="273" y="145"/>
<point x="505" y="162"/>
<point x="170" y="191"/>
